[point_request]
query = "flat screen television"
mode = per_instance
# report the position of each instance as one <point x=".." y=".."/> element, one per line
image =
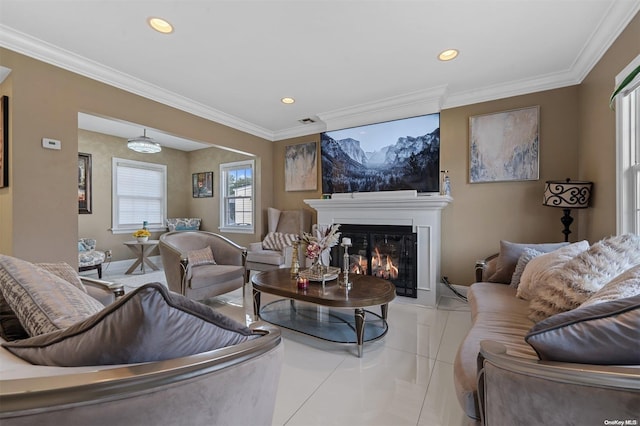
<point x="391" y="156"/>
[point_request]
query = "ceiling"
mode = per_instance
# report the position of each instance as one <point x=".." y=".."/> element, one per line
<point x="346" y="63"/>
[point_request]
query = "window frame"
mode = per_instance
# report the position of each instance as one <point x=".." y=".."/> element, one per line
<point x="116" y="227"/>
<point x="224" y="169"/>
<point x="628" y="154"/>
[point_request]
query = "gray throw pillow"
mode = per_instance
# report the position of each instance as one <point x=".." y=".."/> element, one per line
<point x="605" y="334"/>
<point x="523" y="261"/>
<point x="509" y="255"/>
<point x="148" y="324"/>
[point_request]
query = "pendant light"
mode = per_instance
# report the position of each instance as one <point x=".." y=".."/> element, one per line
<point x="144" y="144"/>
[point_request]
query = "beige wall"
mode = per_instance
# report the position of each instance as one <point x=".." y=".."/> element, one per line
<point x="597" y="132"/>
<point x="42" y="223"/>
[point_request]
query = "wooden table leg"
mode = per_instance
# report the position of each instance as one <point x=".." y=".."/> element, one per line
<point x="385" y="309"/>
<point x="360" y="329"/>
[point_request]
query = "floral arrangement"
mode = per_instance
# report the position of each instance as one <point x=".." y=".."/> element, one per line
<point x="141" y="233"/>
<point x="324" y="240"/>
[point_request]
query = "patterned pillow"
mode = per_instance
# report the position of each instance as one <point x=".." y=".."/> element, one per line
<point x="566" y="288"/>
<point x="524" y="259"/>
<point x="148" y="324"/>
<point x="278" y="240"/>
<point x="624" y="285"/>
<point x="42" y="301"/>
<point x="543" y="264"/>
<point x="64" y="271"/>
<point x="202" y="256"/>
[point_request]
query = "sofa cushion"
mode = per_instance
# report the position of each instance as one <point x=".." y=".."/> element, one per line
<point x="509" y="255"/>
<point x="527" y="255"/>
<point x="566" y="288"/>
<point x="148" y="324"/>
<point x="278" y="240"/>
<point x="605" y="333"/>
<point x="203" y="256"/>
<point x="624" y="285"/>
<point x="536" y="269"/>
<point x="270" y="257"/>
<point x="42" y="301"/>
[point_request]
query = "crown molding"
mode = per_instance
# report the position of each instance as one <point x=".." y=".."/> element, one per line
<point x="46" y="52"/>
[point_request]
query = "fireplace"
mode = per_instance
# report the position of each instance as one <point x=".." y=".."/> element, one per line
<point x="421" y="213"/>
<point x="384" y="251"/>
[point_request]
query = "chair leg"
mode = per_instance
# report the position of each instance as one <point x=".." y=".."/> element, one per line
<point x="100" y="271"/>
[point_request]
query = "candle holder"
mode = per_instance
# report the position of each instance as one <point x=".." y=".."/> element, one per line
<point x="345" y="265"/>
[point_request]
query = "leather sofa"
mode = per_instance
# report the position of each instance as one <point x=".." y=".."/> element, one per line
<point x="501" y="379"/>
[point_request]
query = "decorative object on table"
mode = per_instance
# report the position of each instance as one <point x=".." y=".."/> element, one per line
<point x="202" y="184"/>
<point x="144" y="144"/>
<point x="4" y="141"/>
<point x="303" y="282"/>
<point x="295" y="262"/>
<point x="301" y="167"/>
<point x="84" y="183"/>
<point x="142" y="235"/>
<point x="445" y="187"/>
<point x="319" y="241"/>
<point x="346" y="243"/>
<point x="504" y="146"/>
<point x="567" y="195"/>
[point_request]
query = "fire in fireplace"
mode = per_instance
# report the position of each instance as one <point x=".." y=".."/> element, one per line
<point x="387" y="252"/>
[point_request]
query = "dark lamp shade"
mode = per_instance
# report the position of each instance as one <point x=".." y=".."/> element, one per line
<point x="567" y="194"/>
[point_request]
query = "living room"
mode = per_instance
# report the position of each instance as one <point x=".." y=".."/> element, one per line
<point x="39" y="220"/>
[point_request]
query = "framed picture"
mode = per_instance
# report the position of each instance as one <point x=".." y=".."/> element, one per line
<point x="84" y="183"/>
<point x="4" y="141"/>
<point x="300" y="167"/>
<point x="504" y="146"/>
<point x="202" y="185"/>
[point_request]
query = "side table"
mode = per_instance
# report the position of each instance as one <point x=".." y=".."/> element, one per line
<point x="142" y="251"/>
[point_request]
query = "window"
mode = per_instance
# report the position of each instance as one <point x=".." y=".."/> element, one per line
<point x="237" y="206"/>
<point x="628" y="153"/>
<point x="139" y="193"/>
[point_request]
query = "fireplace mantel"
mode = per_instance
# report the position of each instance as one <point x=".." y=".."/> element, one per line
<point x="421" y="212"/>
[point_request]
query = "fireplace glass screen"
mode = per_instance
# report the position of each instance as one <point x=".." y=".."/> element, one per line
<point x="387" y="252"/>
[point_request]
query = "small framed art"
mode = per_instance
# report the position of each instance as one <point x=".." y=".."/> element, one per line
<point x="84" y="183"/>
<point x="202" y="184"/>
<point x="4" y="141"/>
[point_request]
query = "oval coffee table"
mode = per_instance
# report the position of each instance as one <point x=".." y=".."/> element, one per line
<point x="325" y="324"/>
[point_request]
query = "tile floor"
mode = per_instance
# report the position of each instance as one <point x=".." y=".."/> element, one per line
<point x="403" y="379"/>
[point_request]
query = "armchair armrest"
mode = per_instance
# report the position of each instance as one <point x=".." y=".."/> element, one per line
<point x="104" y="291"/>
<point x="481" y="267"/>
<point x="586" y="394"/>
<point x="255" y="246"/>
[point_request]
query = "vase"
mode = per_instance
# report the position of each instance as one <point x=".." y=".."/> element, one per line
<point x="142" y="239"/>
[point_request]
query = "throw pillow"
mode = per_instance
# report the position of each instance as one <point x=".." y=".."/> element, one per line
<point x="201" y="257"/>
<point x="544" y="263"/>
<point x="509" y="255"/>
<point x="606" y="334"/>
<point x="64" y="271"/>
<point x="42" y="301"/>
<point x="148" y="324"/>
<point x="624" y="285"/>
<point x="278" y="240"/>
<point x="566" y="288"/>
<point x="524" y="259"/>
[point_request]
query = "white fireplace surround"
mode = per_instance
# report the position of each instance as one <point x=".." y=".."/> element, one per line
<point x="421" y="212"/>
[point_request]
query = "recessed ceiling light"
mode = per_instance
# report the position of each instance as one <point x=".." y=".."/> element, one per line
<point x="160" y="25"/>
<point x="448" y="55"/>
<point x="287" y="100"/>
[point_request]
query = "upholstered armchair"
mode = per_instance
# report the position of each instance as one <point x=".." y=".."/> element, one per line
<point x="88" y="257"/>
<point x="276" y="250"/>
<point x="201" y="264"/>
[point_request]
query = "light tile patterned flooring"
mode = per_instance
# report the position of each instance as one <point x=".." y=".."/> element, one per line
<point x="406" y="378"/>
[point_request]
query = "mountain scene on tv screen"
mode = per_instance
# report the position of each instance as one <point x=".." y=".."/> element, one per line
<point x="410" y="162"/>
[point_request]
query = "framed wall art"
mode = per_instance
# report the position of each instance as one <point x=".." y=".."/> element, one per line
<point x="84" y="183"/>
<point x="202" y="184"/>
<point x="504" y="146"/>
<point x="4" y="141"/>
<point x="300" y="167"/>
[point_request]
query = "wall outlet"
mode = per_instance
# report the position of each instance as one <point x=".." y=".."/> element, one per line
<point x="107" y="253"/>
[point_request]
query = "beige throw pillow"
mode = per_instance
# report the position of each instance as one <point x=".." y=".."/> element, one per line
<point x="566" y="288"/>
<point x="540" y="265"/>
<point x="509" y="255"/>
<point x="202" y="256"/>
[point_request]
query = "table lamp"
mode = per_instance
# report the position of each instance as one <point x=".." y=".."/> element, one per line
<point x="568" y="194"/>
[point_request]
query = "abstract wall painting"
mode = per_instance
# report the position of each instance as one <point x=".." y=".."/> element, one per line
<point x="301" y="167"/>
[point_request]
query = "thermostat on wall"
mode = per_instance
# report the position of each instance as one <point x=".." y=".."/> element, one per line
<point x="51" y="143"/>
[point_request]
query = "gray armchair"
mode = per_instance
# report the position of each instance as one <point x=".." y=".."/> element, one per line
<point x="204" y="280"/>
<point x="295" y="222"/>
